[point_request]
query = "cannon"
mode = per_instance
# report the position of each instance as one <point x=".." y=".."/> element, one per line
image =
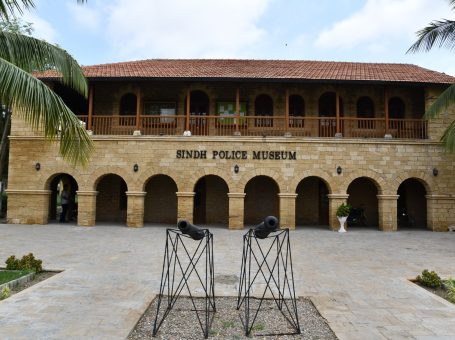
<point x="263" y="229"/>
<point x="191" y="230"/>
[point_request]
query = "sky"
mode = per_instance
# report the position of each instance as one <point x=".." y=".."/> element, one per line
<point x="105" y="31"/>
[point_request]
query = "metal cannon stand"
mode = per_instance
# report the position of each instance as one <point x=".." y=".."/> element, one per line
<point x="181" y="262"/>
<point x="267" y="263"/>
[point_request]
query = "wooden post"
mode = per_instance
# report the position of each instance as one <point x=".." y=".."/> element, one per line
<point x="138" y="108"/>
<point x="237" y="109"/>
<point x="386" y="110"/>
<point x="90" y="108"/>
<point x="337" y="96"/>
<point x="286" y="110"/>
<point x="188" y="102"/>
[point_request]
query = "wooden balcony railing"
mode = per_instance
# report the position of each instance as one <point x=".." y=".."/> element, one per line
<point x="350" y="127"/>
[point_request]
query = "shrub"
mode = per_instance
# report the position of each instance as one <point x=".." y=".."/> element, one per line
<point x="429" y="279"/>
<point x="451" y="295"/>
<point x="343" y="210"/>
<point x="5" y="293"/>
<point x="12" y="263"/>
<point x="28" y="262"/>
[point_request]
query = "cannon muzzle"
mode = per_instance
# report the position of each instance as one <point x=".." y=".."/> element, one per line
<point x="187" y="228"/>
<point x="263" y="229"/>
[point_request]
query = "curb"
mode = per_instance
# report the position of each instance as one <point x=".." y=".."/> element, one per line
<point x="14" y="283"/>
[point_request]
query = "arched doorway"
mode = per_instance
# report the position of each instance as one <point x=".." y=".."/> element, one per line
<point x="160" y="204"/>
<point x="56" y="185"/>
<point x="211" y="203"/>
<point x="363" y="199"/>
<point x="412" y="204"/>
<point x="128" y="105"/>
<point x="261" y="200"/>
<point x="296" y="111"/>
<point x="263" y="107"/>
<point x="328" y="110"/>
<point x="111" y="201"/>
<point x="199" y="108"/>
<point x="312" y="203"/>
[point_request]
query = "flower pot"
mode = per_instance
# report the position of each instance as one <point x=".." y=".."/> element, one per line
<point x="342" y="220"/>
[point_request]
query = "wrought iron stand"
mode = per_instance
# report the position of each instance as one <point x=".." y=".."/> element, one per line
<point x="181" y="261"/>
<point x="267" y="263"/>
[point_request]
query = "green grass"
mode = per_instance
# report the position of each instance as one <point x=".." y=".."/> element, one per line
<point x="9" y="275"/>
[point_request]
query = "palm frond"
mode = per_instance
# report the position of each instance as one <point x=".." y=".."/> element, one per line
<point x="448" y="139"/>
<point x="44" y="110"/>
<point x="440" y="33"/>
<point x="442" y="103"/>
<point x="7" y="7"/>
<point x="31" y="54"/>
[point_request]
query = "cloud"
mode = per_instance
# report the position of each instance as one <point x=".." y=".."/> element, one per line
<point x="380" y="23"/>
<point x="181" y="28"/>
<point x="85" y="16"/>
<point x="42" y="29"/>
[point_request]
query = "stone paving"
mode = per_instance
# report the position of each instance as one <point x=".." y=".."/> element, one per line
<point x="357" y="280"/>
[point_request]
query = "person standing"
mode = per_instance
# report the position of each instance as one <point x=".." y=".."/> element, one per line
<point x="64" y="199"/>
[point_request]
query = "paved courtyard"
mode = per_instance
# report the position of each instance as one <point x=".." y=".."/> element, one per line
<point x="357" y="280"/>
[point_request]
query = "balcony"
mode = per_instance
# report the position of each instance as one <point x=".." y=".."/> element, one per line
<point x="309" y="126"/>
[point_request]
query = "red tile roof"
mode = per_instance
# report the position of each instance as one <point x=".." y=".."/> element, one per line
<point x="299" y="70"/>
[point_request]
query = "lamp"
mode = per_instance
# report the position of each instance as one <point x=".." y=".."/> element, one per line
<point x="236" y="169"/>
<point x="135" y="168"/>
<point x="435" y="172"/>
<point x="37" y="166"/>
<point x="339" y="170"/>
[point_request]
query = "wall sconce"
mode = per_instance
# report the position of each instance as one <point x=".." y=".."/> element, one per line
<point x="135" y="168"/>
<point x="435" y="172"/>
<point x="37" y="166"/>
<point x="339" y="170"/>
<point x="236" y="169"/>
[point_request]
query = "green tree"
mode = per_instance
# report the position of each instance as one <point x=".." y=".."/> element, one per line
<point x="440" y="33"/>
<point x="20" y="56"/>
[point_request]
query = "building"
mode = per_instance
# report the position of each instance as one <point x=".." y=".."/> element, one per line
<point x="229" y="142"/>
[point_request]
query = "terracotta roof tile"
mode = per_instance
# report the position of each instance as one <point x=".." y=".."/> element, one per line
<point x="263" y="70"/>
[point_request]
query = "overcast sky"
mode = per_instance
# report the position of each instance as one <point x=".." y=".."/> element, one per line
<point x="103" y="31"/>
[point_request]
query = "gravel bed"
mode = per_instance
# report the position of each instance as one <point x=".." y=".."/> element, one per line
<point x="182" y="323"/>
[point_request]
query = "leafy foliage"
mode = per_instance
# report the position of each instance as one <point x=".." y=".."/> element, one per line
<point x="28" y="262"/>
<point x="5" y="293"/>
<point x="343" y="210"/>
<point x="429" y="279"/>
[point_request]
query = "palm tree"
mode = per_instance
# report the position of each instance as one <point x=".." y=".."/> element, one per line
<point x="440" y="33"/>
<point x="20" y="55"/>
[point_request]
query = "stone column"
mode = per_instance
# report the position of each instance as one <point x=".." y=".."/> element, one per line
<point x="335" y="201"/>
<point x="135" y="211"/>
<point x="185" y="203"/>
<point x="387" y="206"/>
<point x="440" y="212"/>
<point x="287" y="210"/>
<point x="236" y="208"/>
<point x="86" y="208"/>
<point x="28" y="206"/>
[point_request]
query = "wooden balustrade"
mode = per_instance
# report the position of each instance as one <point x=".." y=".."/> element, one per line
<point x="299" y="126"/>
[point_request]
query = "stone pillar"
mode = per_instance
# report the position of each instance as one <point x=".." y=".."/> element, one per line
<point x="440" y="212"/>
<point x="387" y="206"/>
<point x="287" y="210"/>
<point x="28" y="206"/>
<point x="135" y="211"/>
<point x="86" y="208"/>
<point x="185" y="202"/>
<point x="236" y="208"/>
<point x="335" y="201"/>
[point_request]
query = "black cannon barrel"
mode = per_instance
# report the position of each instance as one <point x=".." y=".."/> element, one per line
<point x="263" y="229"/>
<point x="187" y="228"/>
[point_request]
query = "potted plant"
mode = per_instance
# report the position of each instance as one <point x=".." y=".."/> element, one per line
<point x="342" y="214"/>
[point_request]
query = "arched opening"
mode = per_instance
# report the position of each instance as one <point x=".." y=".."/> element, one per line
<point x="412" y="204"/>
<point x="327" y="110"/>
<point x="312" y="203"/>
<point x="128" y="105"/>
<point x="296" y="110"/>
<point x="160" y="204"/>
<point x="111" y="201"/>
<point x="263" y="107"/>
<point x="261" y="199"/>
<point x="63" y="199"/>
<point x="364" y="202"/>
<point x="397" y="108"/>
<point x="199" y="108"/>
<point x="211" y="203"/>
<point x="365" y="107"/>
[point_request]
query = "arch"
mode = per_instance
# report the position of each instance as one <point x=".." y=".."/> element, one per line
<point x="111" y="202"/>
<point x="98" y="174"/>
<point x="201" y="172"/>
<point x="365" y="107"/>
<point x="263" y="105"/>
<point x="199" y="103"/>
<point x="211" y="203"/>
<point x="412" y="204"/>
<point x="56" y="183"/>
<point x="160" y="202"/>
<point x="424" y="179"/>
<point x="327" y="104"/>
<point x="312" y="203"/>
<point x="296" y="110"/>
<point x="240" y="185"/>
<point x="381" y="185"/>
<point x="322" y="175"/>
<point x="128" y="104"/>
<point x="397" y="108"/>
<point x="261" y="199"/>
<point x="363" y="199"/>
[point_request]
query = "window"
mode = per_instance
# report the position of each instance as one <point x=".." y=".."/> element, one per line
<point x="226" y="111"/>
<point x="161" y="109"/>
